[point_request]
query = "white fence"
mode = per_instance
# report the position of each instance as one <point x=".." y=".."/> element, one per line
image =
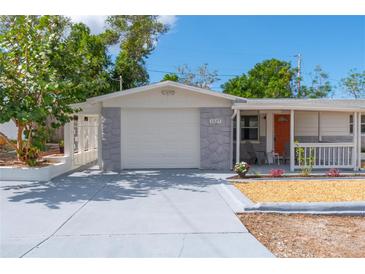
<point x="85" y="143"/>
<point x="325" y="155"/>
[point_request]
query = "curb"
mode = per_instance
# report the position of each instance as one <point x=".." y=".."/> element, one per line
<point x="353" y="208"/>
<point x="239" y="203"/>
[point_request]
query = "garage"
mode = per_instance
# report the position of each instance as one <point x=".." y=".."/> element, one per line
<point x="160" y="138"/>
<point x="165" y="125"/>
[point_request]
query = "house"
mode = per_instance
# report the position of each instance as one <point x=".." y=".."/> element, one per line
<point x="172" y="125"/>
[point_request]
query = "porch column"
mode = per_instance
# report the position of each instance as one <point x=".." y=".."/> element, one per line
<point x="99" y="145"/>
<point x="292" y="151"/>
<point x="359" y="142"/>
<point x="355" y="140"/>
<point x="238" y="135"/>
<point x="319" y="127"/>
<point x="269" y="135"/>
<point x="68" y="138"/>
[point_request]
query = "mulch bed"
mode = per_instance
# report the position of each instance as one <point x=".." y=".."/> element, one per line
<point x="299" y="176"/>
<point x="8" y="156"/>
<point x="304" y="190"/>
<point x="308" y="236"/>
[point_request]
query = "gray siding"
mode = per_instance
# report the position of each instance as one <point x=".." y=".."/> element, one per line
<point x="111" y="138"/>
<point x="325" y="139"/>
<point x="257" y="146"/>
<point x="215" y="139"/>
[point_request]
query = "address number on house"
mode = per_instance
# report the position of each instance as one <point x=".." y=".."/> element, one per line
<point x="215" y="121"/>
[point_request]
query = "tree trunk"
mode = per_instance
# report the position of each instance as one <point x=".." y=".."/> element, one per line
<point x="19" y="142"/>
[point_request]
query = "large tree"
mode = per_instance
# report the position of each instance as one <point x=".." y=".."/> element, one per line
<point x="354" y="84"/>
<point x="46" y="65"/>
<point x="137" y="36"/>
<point x="202" y="77"/>
<point x="268" y="79"/>
<point x="277" y="79"/>
<point x="320" y="85"/>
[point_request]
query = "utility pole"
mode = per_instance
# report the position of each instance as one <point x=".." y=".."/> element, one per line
<point x="120" y="83"/>
<point x="299" y="61"/>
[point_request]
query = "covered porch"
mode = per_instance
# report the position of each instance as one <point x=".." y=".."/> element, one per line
<point x="292" y="133"/>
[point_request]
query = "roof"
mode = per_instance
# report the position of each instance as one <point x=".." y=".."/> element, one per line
<point x="164" y="84"/>
<point x="304" y="104"/>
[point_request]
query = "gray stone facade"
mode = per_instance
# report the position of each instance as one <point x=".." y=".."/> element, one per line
<point x="215" y="138"/>
<point x="111" y="138"/>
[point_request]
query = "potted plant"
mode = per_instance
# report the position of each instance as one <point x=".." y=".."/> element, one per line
<point x="241" y="168"/>
<point x="61" y="145"/>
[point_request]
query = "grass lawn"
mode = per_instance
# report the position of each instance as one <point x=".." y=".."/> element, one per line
<point x="308" y="236"/>
<point x="304" y="190"/>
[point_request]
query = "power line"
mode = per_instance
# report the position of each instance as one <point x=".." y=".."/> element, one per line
<point x="180" y="73"/>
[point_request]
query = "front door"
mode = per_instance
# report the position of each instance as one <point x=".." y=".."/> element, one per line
<point x="282" y="133"/>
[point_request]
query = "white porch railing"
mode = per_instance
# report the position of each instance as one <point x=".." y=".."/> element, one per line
<point x="85" y="144"/>
<point x="325" y="155"/>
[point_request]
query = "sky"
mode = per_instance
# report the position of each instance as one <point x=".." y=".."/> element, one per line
<point x="232" y="45"/>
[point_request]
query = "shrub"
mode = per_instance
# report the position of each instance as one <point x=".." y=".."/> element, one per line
<point x="277" y="172"/>
<point x="333" y="172"/>
<point x="307" y="160"/>
<point x="30" y="155"/>
<point x="241" y="168"/>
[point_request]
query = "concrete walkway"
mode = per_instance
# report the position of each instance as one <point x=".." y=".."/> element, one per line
<point x="162" y="213"/>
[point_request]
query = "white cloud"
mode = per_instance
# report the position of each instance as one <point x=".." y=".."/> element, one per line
<point x="169" y="20"/>
<point x="96" y="23"/>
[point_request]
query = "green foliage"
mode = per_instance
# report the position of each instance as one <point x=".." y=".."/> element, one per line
<point x="202" y="77"/>
<point x="40" y="136"/>
<point x="320" y="86"/>
<point x="170" y="77"/>
<point x="29" y="155"/>
<point x="277" y="79"/>
<point x="269" y="79"/>
<point x="305" y="161"/>
<point x="61" y="143"/>
<point x="354" y="84"/>
<point x="138" y="37"/>
<point x="46" y="64"/>
<point x="241" y="168"/>
<point x="87" y="62"/>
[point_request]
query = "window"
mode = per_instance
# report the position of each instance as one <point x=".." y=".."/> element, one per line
<point x="362" y="124"/>
<point x="249" y="128"/>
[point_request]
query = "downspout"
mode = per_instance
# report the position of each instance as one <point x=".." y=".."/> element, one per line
<point x="231" y="150"/>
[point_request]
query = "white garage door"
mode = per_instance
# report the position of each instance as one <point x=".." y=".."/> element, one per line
<point x="160" y="138"/>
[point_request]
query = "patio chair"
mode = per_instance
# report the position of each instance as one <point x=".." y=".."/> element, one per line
<point x="251" y="153"/>
<point x="261" y="157"/>
<point x="286" y="155"/>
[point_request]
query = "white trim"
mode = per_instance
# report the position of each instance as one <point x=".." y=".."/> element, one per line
<point x="162" y="85"/>
<point x="328" y="157"/>
<point x="358" y="151"/>
<point x="270" y="135"/>
<point x="355" y="139"/>
<point x="245" y="106"/>
<point x="232" y="128"/>
<point x="238" y="135"/>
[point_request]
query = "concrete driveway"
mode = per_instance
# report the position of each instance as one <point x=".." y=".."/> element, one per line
<point x="162" y="213"/>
